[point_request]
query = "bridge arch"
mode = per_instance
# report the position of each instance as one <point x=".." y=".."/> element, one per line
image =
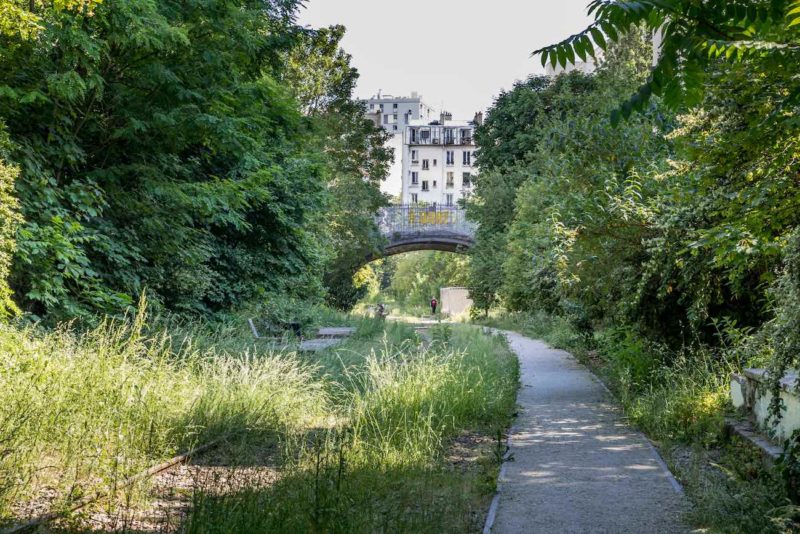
<point x="409" y="228"/>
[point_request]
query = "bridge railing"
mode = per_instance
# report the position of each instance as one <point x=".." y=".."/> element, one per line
<point x="412" y="219"/>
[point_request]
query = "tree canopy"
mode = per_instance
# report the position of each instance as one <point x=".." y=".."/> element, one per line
<point x="181" y="148"/>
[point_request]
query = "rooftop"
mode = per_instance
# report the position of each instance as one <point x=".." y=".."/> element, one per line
<point x="448" y="123"/>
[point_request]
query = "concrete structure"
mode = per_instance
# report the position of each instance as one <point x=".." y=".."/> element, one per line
<point x="412" y="228"/>
<point x="454" y="300"/>
<point x="750" y="393"/>
<point x="578" y="466"/>
<point x="438" y="160"/>
<point x="393" y="114"/>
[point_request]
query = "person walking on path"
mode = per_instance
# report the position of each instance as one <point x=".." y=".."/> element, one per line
<point x="434" y="303"/>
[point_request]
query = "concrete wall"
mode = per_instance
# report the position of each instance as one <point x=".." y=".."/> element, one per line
<point x="454" y="300"/>
<point x="749" y="393"/>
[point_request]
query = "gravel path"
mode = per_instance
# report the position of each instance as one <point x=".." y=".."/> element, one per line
<point x="577" y="466"/>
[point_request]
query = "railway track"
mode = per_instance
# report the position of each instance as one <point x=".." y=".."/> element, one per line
<point x="89" y="499"/>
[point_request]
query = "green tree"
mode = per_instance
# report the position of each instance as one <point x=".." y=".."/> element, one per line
<point x="506" y="142"/>
<point x="418" y="276"/>
<point x="355" y="150"/>
<point x="158" y="149"/>
<point x="9" y="220"/>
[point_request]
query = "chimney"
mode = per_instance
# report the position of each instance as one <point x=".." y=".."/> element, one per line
<point x="446" y="116"/>
<point x="414" y="95"/>
<point x="478" y="120"/>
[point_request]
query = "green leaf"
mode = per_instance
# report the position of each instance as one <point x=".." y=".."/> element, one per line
<point x="598" y="37"/>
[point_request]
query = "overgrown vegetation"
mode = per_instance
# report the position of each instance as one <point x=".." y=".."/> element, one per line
<point x="383" y="467"/>
<point x="191" y="149"/>
<point x="81" y="412"/>
<point x="660" y="247"/>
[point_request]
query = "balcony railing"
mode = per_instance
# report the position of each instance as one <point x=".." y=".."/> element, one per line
<point x="416" y="219"/>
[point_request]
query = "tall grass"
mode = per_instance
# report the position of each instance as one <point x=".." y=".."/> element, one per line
<point x="382" y="468"/>
<point x="80" y="411"/>
<point x="404" y="406"/>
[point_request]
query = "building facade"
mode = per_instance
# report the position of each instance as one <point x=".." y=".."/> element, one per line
<point x="438" y="160"/>
<point x="394" y="113"/>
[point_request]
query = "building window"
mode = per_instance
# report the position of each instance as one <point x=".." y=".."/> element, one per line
<point x="394" y="117"/>
<point x="414" y="156"/>
<point x="451" y="157"/>
<point x="394" y="106"/>
<point x="466" y="180"/>
<point x="449" y="137"/>
<point x="448" y="199"/>
<point x="395" y="127"/>
<point x="372" y="106"/>
<point x="450" y="179"/>
<point x="424" y="135"/>
<point x="425" y="186"/>
<point x="386" y="119"/>
<point x="426" y="164"/>
<point x="435" y="162"/>
<point x="413" y="135"/>
<point x="435" y="184"/>
<point x="467" y="155"/>
<point x="414" y="178"/>
<point x="414" y="198"/>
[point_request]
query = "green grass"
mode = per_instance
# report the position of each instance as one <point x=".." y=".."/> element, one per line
<point x="79" y="412"/>
<point x="364" y="429"/>
<point x="383" y="466"/>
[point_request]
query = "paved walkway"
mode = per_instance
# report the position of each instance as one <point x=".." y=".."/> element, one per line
<point x="577" y="466"/>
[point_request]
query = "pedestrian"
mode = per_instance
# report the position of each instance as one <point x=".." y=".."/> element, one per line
<point x="434" y="303"/>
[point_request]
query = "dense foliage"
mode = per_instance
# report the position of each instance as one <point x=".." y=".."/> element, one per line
<point x="697" y="39"/>
<point x="418" y="276"/>
<point x="672" y="224"/>
<point x="185" y="148"/>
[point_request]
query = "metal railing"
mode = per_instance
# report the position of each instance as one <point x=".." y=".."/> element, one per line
<point x="417" y="220"/>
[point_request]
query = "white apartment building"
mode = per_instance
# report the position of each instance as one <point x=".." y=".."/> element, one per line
<point x="394" y="113"/>
<point x="439" y="160"/>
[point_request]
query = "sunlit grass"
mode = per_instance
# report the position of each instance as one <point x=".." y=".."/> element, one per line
<point x="81" y="411"/>
<point x="382" y="467"/>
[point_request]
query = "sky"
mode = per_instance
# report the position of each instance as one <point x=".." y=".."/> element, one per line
<point x="458" y="54"/>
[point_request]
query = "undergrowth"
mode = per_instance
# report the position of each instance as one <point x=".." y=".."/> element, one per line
<point x="364" y="428"/>
<point x="383" y="466"/>
<point x="81" y="411"/>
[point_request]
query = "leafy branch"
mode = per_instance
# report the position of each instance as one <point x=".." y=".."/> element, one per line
<point x="694" y="35"/>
